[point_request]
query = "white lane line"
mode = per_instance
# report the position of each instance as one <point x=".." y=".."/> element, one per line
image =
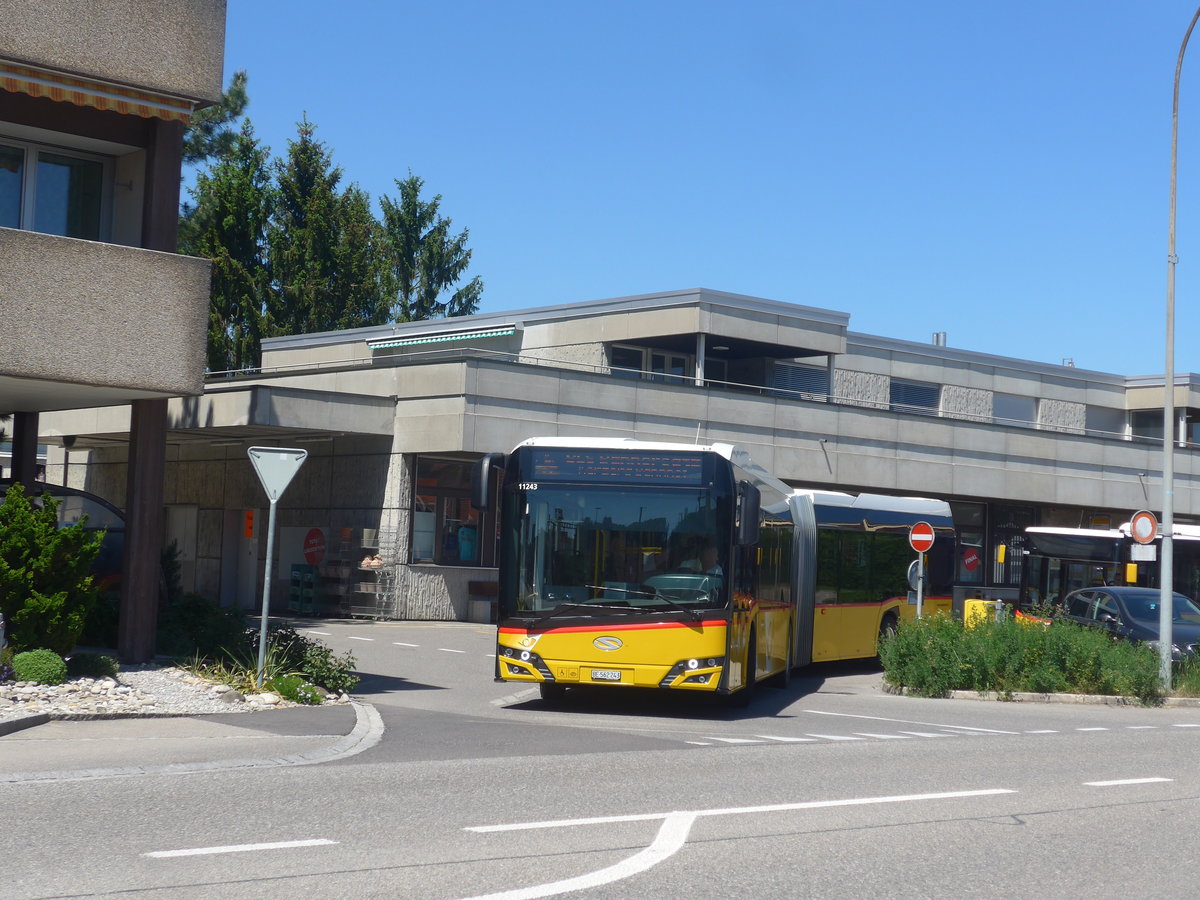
<point x="519" y="697"/>
<point x="322" y="633"/>
<point x="1091" y="729"/>
<point x="1119" y="781"/>
<point x="670" y="839"/>
<point x="834" y="737"/>
<point x="1176" y="725"/>
<point x="729" y="740"/>
<point x="351" y="637"/>
<point x="785" y="740"/>
<point x="740" y="810"/>
<point x="885" y="737"/>
<point x="448" y="650"/>
<point x="1042" y="731"/>
<point x="238" y="848"/>
<point x="1140" y="727"/>
<point x="821" y="712"/>
<point x="402" y="644"/>
<point x="929" y="734"/>
<point x="699" y="743"/>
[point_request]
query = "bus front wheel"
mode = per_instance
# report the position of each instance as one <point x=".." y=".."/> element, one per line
<point x="887" y="628"/>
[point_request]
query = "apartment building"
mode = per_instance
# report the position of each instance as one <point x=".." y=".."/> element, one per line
<point x="98" y="310"/>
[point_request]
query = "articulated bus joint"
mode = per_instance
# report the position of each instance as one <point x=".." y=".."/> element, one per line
<point x="697" y="674"/>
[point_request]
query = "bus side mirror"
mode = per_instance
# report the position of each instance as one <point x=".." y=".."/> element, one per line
<point x="481" y="479"/>
<point x="749" y="501"/>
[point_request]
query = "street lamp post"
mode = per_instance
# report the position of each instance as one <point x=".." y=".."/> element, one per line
<point x="1166" y="604"/>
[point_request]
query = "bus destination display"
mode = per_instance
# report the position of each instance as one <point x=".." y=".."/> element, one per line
<point x="611" y="466"/>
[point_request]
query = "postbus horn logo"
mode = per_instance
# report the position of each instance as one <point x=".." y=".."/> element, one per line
<point x="607" y="643"/>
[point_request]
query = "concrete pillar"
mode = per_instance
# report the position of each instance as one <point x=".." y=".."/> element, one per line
<point x="24" y="449"/>
<point x="142" y="564"/>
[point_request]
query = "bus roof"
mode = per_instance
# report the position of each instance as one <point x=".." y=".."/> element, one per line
<point x="918" y="506"/>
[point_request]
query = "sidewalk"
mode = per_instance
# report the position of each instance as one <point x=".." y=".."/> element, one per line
<point x="73" y="749"/>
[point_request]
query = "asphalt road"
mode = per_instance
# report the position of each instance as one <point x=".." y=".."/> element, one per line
<point x="829" y="788"/>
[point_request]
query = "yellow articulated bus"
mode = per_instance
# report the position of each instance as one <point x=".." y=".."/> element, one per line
<point x="680" y="567"/>
<point x="639" y="564"/>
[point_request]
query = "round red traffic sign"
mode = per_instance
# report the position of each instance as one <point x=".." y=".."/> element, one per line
<point x="1143" y="526"/>
<point x="920" y="537"/>
<point x="970" y="559"/>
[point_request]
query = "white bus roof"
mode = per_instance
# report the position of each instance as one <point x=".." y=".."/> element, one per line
<point x="921" y="506"/>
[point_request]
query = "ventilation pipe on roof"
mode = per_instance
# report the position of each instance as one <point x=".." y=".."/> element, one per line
<point x="939" y="339"/>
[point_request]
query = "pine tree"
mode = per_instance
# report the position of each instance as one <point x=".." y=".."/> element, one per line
<point x="228" y="225"/>
<point x="426" y="260"/>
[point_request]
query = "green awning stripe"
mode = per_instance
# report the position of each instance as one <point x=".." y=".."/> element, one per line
<point x="441" y="338"/>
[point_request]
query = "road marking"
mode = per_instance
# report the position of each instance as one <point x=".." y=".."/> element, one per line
<point x="351" y="637"/>
<point x="884" y="737"/>
<point x="1176" y="725"/>
<point x="699" y="743"/>
<point x="786" y="740"/>
<point x="238" y="848"/>
<point x="448" y="650"/>
<point x="1120" y="781"/>
<point x="1140" y="727"/>
<point x="323" y="633"/>
<point x="402" y="644"/>
<point x="928" y="734"/>
<point x="1091" y="729"/>
<point x="834" y="737"/>
<point x="739" y="810"/>
<point x="670" y="838"/>
<point x="733" y="740"/>
<point x="1043" y="731"/>
<point x="519" y="697"/>
<point x="821" y="712"/>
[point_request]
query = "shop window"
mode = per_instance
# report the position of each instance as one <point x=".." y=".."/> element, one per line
<point x="446" y="528"/>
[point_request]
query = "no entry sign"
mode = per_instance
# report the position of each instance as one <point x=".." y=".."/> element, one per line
<point x="920" y="537"/>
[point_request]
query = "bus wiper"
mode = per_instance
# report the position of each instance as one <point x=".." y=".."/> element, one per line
<point x="564" y="607"/>
<point x="690" y="613"/>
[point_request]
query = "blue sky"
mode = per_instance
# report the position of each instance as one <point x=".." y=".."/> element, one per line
<point x="997" y="171"/>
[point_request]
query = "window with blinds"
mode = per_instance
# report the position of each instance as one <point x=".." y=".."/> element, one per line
<point x="914" y="397"/>
<point x="801" y="382"/>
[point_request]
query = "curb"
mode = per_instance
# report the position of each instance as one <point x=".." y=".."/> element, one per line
<point x="367" y="732"/>
<point x="1077" y="699"/>
<point x="25" y="720"/>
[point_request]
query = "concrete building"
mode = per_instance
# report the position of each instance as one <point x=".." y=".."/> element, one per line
<point x="97" y="308"/>
<point x="393" y="416"/>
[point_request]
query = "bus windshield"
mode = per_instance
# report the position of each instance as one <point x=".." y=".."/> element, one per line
<point x="618" y="549"/>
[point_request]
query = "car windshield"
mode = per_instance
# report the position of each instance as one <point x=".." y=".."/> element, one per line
<point x="1145" y="608"/>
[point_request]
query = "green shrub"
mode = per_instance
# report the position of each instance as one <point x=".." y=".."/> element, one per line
<point x="312" y="659"/>
<point x="295" y="689"/>
<point x="41" y="666"/>
<point x="46" y="588"/>
<point x="196" y="626"/>
<point x="91" y="665"/>
<point x="932" y="657"/>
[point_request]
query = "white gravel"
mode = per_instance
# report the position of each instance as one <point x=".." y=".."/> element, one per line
<point x="136" y="690"/>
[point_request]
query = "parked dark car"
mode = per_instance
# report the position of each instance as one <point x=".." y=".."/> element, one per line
<point x="1132" y="613"/>
<point x="73" y="505"/>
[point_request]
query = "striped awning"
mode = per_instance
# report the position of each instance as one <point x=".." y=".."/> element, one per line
<point x="96" y="94"/>
<point x="443" y="337"/>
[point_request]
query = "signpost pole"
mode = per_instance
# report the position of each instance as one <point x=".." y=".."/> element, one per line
<point x="266" y="600"/>
<point x="920" y="582"/>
